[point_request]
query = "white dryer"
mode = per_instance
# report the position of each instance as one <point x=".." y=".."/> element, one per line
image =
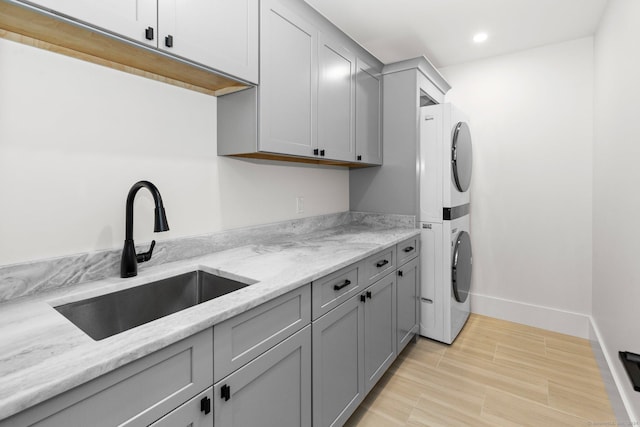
<point x="446" y="265"/>
<point x="445" y="160"/>
<point x="446" y="258"/>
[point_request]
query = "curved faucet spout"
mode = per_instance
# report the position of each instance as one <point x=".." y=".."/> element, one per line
<point x="129" y="261"/>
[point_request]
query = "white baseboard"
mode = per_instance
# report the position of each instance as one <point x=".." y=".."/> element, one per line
<point x="565" y="322"/>
<point x="616" y="374"/>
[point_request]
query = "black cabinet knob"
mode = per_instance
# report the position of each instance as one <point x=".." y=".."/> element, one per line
<point x="225" y="392"/>
<point x="363" y="298"/>
<point x="148" y="33"/>
<point x="359" y="157"/>
<point x="400" y="273"/>
<point x="315" y="151"/>
<point x="168" y="41"/>
<point x="322" y="153"/>
<point x="369" y="294"/>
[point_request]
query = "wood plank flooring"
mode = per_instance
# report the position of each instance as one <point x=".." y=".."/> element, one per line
<point x="496" y="373"/>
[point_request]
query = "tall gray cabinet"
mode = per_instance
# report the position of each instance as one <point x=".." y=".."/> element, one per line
<point x="318" y="99"/>
<point x="406" y="86"/>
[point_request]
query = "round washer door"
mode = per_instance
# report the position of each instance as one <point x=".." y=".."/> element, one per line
<point x="461" y="267"/>
<point x="461" y="156"/>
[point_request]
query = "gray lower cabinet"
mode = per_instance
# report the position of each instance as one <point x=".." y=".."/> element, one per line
<point x="136" y="394"/>
<point x="195" y="413"/>
<point x="274" y="390"/>
<point x="338" y="363"/>
<point x="407" y="295"/>
<point x="379" y="329"/>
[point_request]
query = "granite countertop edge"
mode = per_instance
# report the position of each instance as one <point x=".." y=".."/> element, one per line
<point x="42" y="354"/>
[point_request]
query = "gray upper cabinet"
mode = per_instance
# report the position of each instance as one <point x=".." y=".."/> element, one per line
<point x="288" y="85"/>
<point x="336" y="96"/>
<point x="274" y="390"/>
<point x="221" y="34"/>
<point x="368" y="113"/>
<point x="306" y="106"/>
<point x="379" y="329"/>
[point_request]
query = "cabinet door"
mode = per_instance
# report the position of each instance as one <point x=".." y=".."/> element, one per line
<point x="336" y="95"/>
<point x="274" y="390"/>
<point x="338" y="363"/>
<point x="288" y="82"/>
<point x="197" y="412"/>
<point x="129" y="18"/>
<point x="408" y="282"/>
<point x="368" y="94"/>
<point x="221" y="34"/>
<point x="379" y="329"/>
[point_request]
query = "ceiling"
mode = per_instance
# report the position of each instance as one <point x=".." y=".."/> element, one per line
<point x="442" y="30"/>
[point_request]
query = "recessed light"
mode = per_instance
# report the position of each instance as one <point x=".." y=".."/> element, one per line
<point x="480" y="37"/>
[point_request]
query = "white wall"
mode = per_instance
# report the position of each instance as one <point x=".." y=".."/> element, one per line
<point x="532" y="120"/>
<point x="75" y="136"/>
<point x="616" y="204"/>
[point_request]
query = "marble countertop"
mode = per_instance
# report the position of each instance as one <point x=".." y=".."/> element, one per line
<point x="42" y="354"/>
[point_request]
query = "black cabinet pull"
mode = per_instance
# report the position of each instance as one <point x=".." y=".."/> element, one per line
<point x="322" y="153"/>
<point x="359" y="157"/>
<point x="382" y="263"/>
<point x="408" y="248"/>
<point x="363" y="298"/>
<point x="400" y="273"/>
<point x="225" y="392"/>
<point x="148" y="33"/>
<point x="315" y="151"/>
<point x="369" y="294"/>
<point x="168" y="41"/>
<point x="205" y="405"/>
<point x="338" y="287"/>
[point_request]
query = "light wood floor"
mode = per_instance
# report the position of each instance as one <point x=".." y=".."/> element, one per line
<point x="496" y="373"/>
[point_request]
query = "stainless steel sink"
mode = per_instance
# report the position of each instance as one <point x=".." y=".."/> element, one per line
<point x="110" y="314"/>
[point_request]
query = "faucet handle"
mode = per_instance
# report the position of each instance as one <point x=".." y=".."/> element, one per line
<point x="146" y="256"/>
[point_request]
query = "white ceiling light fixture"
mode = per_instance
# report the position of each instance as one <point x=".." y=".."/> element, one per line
<point x="480" y="38"/>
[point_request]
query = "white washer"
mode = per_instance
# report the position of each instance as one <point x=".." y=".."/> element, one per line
<point x="446" y="265"/>
<point x="445" y="160"/>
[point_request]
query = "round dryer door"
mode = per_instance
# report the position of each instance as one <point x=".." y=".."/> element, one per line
<point x="461" y="156"/>
<point x="461" y="267"/>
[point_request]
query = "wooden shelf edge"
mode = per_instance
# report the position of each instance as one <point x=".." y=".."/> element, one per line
<point x="296" y="159"/>
<point x="41" y="29"/>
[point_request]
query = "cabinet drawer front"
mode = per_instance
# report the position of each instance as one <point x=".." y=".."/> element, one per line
<point x="408" y="249"/>
<point x="274" y="390"/>
<point x="377" y="266"/>
<point x="240" y="339"/>
<point x="332" y="290"/>
<point x="134" y="395"/>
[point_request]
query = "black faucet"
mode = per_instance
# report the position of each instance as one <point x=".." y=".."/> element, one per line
<point x="130" y="260"/>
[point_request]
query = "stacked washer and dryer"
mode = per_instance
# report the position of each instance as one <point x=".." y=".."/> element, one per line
<point x="446" y="260"/>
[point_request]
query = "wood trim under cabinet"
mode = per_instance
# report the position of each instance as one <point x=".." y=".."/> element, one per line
<point x="40" y="29"/>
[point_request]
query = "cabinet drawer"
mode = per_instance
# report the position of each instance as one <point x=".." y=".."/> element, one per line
<point x="408" y="249"/>
<point x="136" y="394"/>
<point x="377" y="266"/>
<point x="242" y="338"/>
<point x="330" y="291"/>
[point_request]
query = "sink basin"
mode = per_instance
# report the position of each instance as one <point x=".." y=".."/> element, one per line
<point x="110" y="314"/>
